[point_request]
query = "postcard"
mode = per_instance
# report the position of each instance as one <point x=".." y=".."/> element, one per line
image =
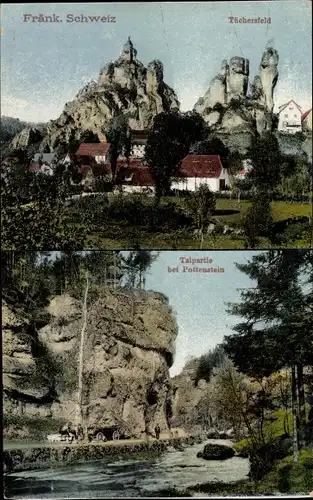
<point x="136" y="374"/>
<point x="156" y="125"/>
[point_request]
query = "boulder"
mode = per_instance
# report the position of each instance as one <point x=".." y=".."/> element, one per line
<point x="216" y="452"/>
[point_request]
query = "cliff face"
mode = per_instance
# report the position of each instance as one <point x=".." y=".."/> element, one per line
<point x="129" y="345"/>
<point x="233" y="115"/>
<point x="195" y="402"/>
<point x="124" y="86"/>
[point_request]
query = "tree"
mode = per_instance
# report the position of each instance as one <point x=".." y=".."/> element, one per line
<point x="213" y="146"/>
<point x="33" y="211"/>
<point x="266" y="161"/>
<point x="169" y="143"/>
<point x="207" y="363"/>
<point x="277" y="331"/>
<point x="137" y="264"/>
<point x="118" y="135"/>
<point x="80" y="415"/>
<point x="201" y="204"/>
<point x="258" y="219"/>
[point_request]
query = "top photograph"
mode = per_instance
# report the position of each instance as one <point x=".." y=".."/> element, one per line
<point x="156" y="125"/>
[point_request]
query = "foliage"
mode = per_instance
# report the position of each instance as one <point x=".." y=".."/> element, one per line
<point x="213" y="146"/>
<point x="201" y="204"/>
<point x="207" y="363"/>
<point x="258" y="219"/>
<point x="117" y="132"/>
<point x="32" y="211"/>
<point x="168" y="143"/>
<point x="282" y="301"/>
<point x="137" y="264"/>
<point x="266" y="160"/>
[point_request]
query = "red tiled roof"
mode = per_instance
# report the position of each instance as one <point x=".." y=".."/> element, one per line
<point x="208" y="166"/>
<point x="98" y="170"/>
<point x="96" y="149"/>
<point x="303" y="117"/>
<point x="139" y="176"/>
<point x="283" y="106"/>
<point x="122" y="162"/>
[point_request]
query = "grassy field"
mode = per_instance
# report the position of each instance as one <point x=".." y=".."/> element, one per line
<point x="112" y="235"/>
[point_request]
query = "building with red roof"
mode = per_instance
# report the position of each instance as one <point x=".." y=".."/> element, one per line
<point x="139" y="140"/>
<point x="134" y="177"/>
<point x="306" y="120"/>
<point x="88" y="152"/>
<point x="201" y="169"/>
<point x="289" y="118"/>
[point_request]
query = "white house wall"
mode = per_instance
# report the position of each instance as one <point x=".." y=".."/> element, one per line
<point x="193" y="183"/>
<point x="100" y="159"/>
<point x="290" y="119"/>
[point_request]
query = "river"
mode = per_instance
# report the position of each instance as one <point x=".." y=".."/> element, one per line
<point x="134" y="476"/>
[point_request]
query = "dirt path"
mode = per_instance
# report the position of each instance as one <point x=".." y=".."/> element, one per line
<point x="15" y="445"/>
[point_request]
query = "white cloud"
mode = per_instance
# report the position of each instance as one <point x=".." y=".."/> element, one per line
<point x="10" y="104"/>
<point x="29" y="111"/>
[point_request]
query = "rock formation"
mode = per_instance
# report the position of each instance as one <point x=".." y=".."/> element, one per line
<point x="129" y="348"/>
<point x="123" y="86"/>
<point x="234" y="115"/>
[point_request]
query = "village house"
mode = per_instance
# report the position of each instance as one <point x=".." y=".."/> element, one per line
<point x="139" y="141"/>
<point x="196" y="170"/>
<point x="89" y="152"/>
<point x="306" y="119"/>
<point x="43" y="163"/>
<point x="289" y="118"/>
<point x="135" y="177"/>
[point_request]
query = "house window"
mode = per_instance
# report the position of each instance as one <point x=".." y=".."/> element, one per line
<point x="285" y="116"/>
<point x="295" y="116"/>
<point x="284" y="124"/>
<point x="222" y="184"/>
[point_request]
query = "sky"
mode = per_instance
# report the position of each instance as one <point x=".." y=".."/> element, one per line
<point x="45" y="64"/>
<point x="199" y="299"/>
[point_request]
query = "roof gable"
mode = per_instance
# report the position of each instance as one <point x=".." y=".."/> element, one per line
<point x="283" y="106"/>
<point x="205" y="166"/>
<point x="93" y="149"/>
<point x="306" y="114"/>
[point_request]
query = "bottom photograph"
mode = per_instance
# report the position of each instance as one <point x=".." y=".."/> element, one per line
<point x="157" y="374"/>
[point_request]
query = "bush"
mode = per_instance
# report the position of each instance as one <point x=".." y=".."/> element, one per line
<point x="133" y="210"/>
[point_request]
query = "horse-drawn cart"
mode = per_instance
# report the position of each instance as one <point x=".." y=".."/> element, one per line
<point x="106" y="433"/>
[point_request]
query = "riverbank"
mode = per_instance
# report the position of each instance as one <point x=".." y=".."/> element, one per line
<point x="40" y="456"/>
<point x="167" y="473"/>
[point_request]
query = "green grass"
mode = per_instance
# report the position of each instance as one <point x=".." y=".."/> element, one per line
<point x="272" y="429"/>
<point x="109" y="234"/>
<point x="290" y="477"/>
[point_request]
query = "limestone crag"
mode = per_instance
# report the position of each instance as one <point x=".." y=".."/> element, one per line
<point x="127" y="354"/>
<point x="124" y="86"/>
<point x="234" y="115"/>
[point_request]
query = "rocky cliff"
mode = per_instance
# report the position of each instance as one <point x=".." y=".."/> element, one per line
<point x="124" y="86"/>
<point x="234" y="114"/>
<point x="128" y="350"/>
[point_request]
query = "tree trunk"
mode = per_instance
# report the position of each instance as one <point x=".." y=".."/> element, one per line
<point x="295" y="413"/>
<point x="201" y="239"/>
<point x="301" y="397"/>
<point x="79" y="417"/>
